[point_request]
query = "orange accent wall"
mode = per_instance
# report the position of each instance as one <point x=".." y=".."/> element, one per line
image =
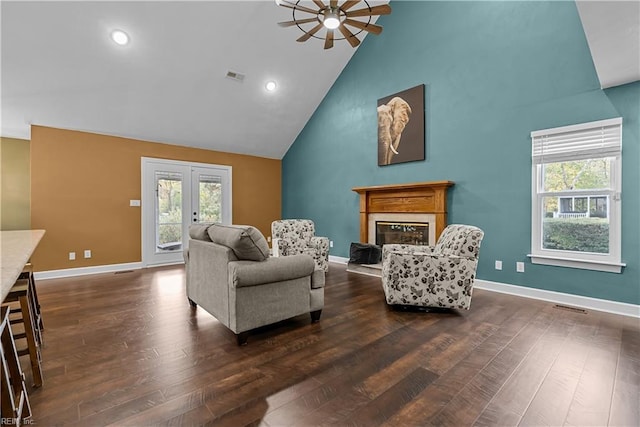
<point x="81" y="184"/>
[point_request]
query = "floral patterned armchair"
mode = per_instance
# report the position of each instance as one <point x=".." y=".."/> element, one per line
<point x="297" y="236"/>
<point x="433" y="276"/>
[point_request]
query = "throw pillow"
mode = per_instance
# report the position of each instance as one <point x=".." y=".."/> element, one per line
<point x="246" y="242"/>
<point x="199" y="232"/>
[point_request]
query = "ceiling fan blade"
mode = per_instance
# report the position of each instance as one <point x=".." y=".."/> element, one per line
<point x="299" y="21"/>
<point x="320" y="4"/>
<point x="349" y="4"/>
<point x="328" y="41"/>
<point x="384" y="9"/>
<point x="372" y="28"/>
<point x="308" y="35"/>
<point x="285" y="3"/>
<point x="352" y="39"/>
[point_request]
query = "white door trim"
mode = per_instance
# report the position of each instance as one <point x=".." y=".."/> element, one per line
<point x="146" y="162"/>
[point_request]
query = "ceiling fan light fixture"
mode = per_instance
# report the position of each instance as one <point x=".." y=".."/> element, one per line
<point x="331" y="19"/>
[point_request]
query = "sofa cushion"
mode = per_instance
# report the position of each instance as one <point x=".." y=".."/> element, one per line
<point x="199" y="232"/>
<point x="246" y="242"/>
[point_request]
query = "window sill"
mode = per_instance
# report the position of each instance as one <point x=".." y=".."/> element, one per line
<point x="610" y="267"/>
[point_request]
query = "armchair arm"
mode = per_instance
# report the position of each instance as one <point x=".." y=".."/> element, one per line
<point x="320" y="247"/>
<point x="404" y="249"/>
<point x="280" y="247"/>
<point x="207" y="277"/>
<point x="320" y="243"/>
<point x="273" y="269"/>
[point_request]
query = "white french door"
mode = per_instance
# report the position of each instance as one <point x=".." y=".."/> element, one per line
<point x="176" y="194"/>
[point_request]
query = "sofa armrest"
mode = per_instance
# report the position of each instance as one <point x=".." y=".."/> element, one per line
<point x="317" y="280"/>
<point x="273" y="269"/>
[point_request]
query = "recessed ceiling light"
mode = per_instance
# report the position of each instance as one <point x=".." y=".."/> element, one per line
<point x="120" y="37"/>
<point x="271" y="86"/>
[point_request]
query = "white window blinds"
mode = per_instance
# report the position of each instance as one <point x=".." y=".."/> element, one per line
<point x="589" y="140"/>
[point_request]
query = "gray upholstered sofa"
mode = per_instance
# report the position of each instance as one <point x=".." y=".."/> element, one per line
<point x="231" y="275"/>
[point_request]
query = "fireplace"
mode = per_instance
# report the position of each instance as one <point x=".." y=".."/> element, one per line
<point x="414" y="202"/>
<point x="423" y="203"/>
<point x="407" y="233"/>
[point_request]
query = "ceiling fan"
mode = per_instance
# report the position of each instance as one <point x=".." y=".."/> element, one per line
<point x="332" y="16"/>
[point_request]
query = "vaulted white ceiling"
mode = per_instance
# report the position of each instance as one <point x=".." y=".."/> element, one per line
<point x="60" y="69"/>
<point x="613" y="33"/>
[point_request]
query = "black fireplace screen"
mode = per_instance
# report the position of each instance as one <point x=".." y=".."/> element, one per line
<point x="407" y="233"/>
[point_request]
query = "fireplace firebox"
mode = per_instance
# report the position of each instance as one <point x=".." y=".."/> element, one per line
<point x="407" y="233"/>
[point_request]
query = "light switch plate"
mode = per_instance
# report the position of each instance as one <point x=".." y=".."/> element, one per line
<point x="134" y="202"/>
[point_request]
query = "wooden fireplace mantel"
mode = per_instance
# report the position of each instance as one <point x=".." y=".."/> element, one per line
<point x="417" y="197"/>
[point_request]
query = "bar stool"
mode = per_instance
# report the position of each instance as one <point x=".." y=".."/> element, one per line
<point x="15" y="401"/>
<point x="18" y="301"/>
<point x="27" y="273"/>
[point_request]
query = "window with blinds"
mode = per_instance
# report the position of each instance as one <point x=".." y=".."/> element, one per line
<point x="576" y="195"/>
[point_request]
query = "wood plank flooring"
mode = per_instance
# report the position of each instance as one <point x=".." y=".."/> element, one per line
<point x="127" y="350"/>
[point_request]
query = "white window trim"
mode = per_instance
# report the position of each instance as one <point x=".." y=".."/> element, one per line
<point x="610" y="262"/>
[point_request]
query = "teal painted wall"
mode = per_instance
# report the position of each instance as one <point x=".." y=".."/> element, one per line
<point x="494" y="72"/>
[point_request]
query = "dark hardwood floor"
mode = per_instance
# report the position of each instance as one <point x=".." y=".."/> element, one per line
<point x="127" y="349"/>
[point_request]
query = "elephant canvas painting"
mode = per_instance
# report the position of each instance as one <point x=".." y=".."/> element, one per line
<point x="401" y="127"/>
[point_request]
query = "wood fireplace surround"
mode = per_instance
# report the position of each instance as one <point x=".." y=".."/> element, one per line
<point x="417" y="197"/>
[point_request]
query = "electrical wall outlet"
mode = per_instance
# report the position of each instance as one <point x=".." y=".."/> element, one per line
<point x="269" y="239"/>
<point x="134" y="202"/>
<point x="498" y="264"/>
<point x="87" y="253"/>
<point x="330" y="243"/>
<point x="72" y="256"/>
<point x="520" y="267"/>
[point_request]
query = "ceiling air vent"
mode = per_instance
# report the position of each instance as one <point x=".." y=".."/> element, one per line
<point x="235" y="76"/>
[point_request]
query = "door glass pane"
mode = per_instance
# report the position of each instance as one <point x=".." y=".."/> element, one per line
<point x="573" y="231"/>
<point x="210" y="198"/>
<point x="168" y="211"/>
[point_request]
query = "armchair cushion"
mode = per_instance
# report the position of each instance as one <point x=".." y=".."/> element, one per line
<point x="246" y="242"/>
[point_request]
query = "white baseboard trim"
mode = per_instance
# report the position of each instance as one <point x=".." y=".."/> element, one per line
<point x="83" y="271"/>
<point x="338" y="259"/>
<point x="614" y="307"/>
